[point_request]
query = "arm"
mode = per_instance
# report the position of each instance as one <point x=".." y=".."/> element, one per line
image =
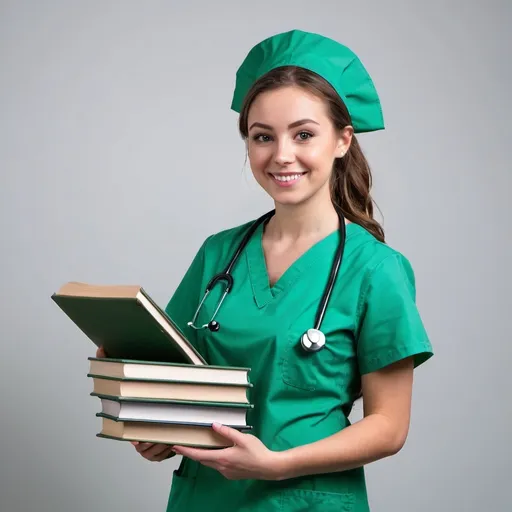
<point x="391" y="342"/>
<point x="381" y="433"/>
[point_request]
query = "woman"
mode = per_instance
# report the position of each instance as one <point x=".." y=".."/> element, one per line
<point x="301" y="99"/>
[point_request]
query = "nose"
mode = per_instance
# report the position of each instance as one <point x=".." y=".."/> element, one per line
<point x="284" y="154"/>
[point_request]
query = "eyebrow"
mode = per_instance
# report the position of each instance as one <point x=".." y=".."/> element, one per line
<point x="292" y="125"/>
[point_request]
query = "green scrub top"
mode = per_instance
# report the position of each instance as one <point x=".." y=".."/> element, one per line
<point x="299" y="397"/>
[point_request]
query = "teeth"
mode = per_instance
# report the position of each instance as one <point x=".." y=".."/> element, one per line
<point x="287" y="178"/>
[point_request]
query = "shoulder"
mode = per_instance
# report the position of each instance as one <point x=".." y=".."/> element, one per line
<point x="389" y="324"/>
<point x="380" y="261"/>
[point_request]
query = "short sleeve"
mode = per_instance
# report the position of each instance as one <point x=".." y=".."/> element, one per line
<point x="184" y="301"/>
<point x="390" y="326"/>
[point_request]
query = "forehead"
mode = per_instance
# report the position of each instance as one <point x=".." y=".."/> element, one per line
<point x="285" y="105"/>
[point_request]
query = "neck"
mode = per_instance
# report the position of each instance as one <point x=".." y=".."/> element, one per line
<point x="309" y="219"/>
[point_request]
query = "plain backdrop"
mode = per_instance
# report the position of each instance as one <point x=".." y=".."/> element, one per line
<point x="119" y="154"/>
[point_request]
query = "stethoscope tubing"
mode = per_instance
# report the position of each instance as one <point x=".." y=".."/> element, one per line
<point x="227" y="276"/>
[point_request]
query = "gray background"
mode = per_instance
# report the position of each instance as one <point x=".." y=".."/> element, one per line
<point x="116" y="140"/>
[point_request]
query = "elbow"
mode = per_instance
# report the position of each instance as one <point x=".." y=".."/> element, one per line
<point x="400" y="438"/>
<point x="395" y="438"/>
<point x="396" y="443"/>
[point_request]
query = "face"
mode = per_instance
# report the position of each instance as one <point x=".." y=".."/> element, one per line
<point x="292" y="145"/>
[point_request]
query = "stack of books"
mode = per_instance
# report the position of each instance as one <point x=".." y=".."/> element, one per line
<point x="154" y="386"/>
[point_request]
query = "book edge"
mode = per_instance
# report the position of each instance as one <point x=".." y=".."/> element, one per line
<point x="166" y="363"/>
<point x="117" y="398"/>
<point x="163" y="422"/>
<point x="134" y="379"/>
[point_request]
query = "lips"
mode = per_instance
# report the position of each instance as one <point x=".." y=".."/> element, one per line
<point x="287" y="179"/>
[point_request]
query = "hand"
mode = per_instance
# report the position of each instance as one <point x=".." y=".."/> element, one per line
<point x="248" y="458"/>
<point x="155" y="452"/>
<point x="100" y="353"/>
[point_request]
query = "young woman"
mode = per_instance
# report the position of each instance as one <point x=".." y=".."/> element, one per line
<point x="301" y="99"/>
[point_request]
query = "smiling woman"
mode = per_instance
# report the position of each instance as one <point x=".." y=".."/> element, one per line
<point x="321" y="142"/>
<point x="302" y="98"/>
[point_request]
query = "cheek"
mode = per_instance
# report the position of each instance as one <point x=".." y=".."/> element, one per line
<point x="317" y="158"/>
<point x="258" y="159"/>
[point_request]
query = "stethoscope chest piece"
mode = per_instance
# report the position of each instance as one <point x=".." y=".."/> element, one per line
<point x="312" y="340"/>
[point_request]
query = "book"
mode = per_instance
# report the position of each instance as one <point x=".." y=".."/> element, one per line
<point x="170" y="390"/>
<point x="199" y="436"/>
<point x="174" y="411"/>
<point x="125" y="368"/>
<point x="126" y="322"/>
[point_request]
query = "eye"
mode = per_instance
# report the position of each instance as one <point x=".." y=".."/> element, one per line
<point x="305" y="135"/>
<point x="261" y="137"/>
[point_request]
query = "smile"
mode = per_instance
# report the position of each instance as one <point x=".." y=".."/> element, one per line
<point x="287" y="179"/>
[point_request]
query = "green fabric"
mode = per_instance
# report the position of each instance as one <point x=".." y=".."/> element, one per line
<point x="298" y="397"/>
<point x="331" y="60"/>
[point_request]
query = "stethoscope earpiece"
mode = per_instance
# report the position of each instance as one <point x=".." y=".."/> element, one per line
<point x="312" y="340"/>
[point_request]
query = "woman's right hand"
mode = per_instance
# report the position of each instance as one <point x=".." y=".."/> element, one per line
<point x="154" y="452"/>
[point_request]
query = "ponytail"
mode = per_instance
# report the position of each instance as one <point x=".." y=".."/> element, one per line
<point x="351" y="181"/>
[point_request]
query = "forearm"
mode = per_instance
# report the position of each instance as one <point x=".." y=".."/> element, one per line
<point x="368" y="440"/>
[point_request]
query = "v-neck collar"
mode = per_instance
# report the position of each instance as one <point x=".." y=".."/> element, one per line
<point x="255" y="256"/>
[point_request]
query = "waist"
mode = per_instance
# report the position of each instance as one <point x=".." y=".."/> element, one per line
<point x="208" y="480"/>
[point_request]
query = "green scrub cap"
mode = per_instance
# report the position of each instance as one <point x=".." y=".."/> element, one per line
<point x="331" y="60"/>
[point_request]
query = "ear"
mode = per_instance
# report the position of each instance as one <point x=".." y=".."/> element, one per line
<point x="344" y="140"/>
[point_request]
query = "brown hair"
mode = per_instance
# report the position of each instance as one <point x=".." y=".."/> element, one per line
<point x="351" y="179"/>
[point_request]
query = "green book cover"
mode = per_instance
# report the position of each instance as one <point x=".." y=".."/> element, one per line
<point x="167" y="363"/>
<point x="158" y="441"/>
<point x="130" y="399"/>
<point x="126" y="322"/>
<point x="170" y="381"/>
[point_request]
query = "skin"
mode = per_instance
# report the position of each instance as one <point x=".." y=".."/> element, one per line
<point x="304" y="215"/>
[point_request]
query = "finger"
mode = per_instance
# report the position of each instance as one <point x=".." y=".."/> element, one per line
<point x="201" y="455"/>
<point x="232" y="434"/>
<point x="166" y="453"/>
<point x="155" y="451"/>
<point x="169" y="453"/>
<point x="100" y="353"/>
<point x="142" y="447"/>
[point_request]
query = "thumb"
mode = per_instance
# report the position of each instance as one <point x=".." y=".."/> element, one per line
<point x="229" y="433"/>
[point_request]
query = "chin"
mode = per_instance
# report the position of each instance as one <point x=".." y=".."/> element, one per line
<point x="292" y="199"/>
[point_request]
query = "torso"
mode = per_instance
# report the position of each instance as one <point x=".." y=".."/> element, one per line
<point x="298" y="398"/>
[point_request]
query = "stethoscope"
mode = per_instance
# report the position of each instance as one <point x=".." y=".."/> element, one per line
<point x="313" y="339"/>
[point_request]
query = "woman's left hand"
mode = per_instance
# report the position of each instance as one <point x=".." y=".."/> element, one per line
<point x="248" y="458"/>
